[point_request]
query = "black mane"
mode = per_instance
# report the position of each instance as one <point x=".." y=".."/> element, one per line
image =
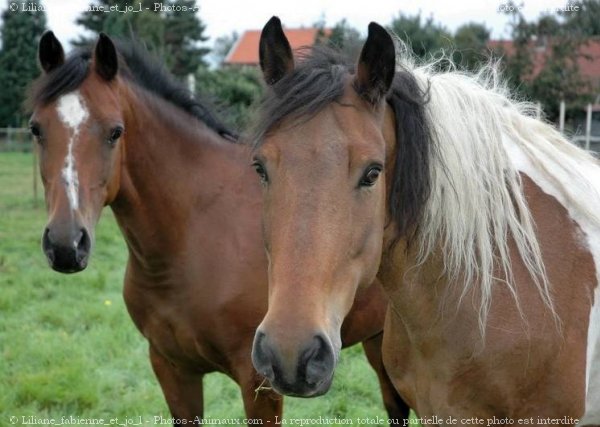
<point x="135" y="64"/>
<point x="317" y="81"/>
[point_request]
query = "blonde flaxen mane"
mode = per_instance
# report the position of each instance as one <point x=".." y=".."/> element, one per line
<point x="477" y="199"/>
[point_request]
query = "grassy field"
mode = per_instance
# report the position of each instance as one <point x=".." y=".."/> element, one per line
<point x="68" y="347"/>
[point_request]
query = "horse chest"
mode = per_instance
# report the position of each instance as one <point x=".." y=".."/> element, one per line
<point x="178" y="325"/>
<point x="435" y="355"/>
<point x="446" y="374"/>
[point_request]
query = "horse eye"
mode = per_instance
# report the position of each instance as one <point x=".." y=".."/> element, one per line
<point x="115" y="134"/>
<point x="370" y="176"/>
<point x="35" y="130"/>
<point x="262" y="173"/>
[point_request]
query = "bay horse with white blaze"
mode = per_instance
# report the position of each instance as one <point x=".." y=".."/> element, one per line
<point x="115" y="129"/>
<point x="481" y="222"/>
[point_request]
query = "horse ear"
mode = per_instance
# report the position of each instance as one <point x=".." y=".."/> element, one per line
<point x="276" y="59"/>
<point x="105" y="58"/>
<point x="50" y="52"/>
<point x="376" y="65"/>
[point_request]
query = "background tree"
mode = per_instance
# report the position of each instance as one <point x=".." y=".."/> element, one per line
<point x="184" y="31"/>
<point x="560" y="77"/>
<point x="175" y="34"/>
<point x="147" y="27"/>
<point x="425" y="37"/>
<point x="18" y="61"/>
<point x="222" y="46"/>
<point x="543" y="62"/>
<point x="94" y="20"/>
<point x="233" y="90"/>
<point x="115" y="23"/>
<point x="517" y="57"/>
<point x="586" y="20"/>
<point x="346" y="38"/>
<point x="471" y="44"/>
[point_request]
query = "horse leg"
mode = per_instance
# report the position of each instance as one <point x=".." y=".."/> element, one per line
<point x="396" y="408"/>
<point x="182" y="389"/>
<point x="260" y="401"/>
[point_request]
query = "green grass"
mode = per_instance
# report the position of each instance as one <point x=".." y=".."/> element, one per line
<point x="68" y="346"/>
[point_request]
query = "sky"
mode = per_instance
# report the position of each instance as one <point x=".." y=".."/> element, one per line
<point x="222" y="17"/>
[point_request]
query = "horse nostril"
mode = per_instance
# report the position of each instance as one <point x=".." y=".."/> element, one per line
<point x="84" y="240"/>
<point x="46" y="237"/>
<point x="83" y="245"/>
<point x="262" y="357"/>
<point x="319" y="360"/>
<point x="47" y="245"/>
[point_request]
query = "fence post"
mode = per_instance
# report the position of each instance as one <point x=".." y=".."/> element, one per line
<point x="588" y="126"/>
<point x="561" y="122"/>
<point x="191" y="83"/>
<point x="9" y="137"/>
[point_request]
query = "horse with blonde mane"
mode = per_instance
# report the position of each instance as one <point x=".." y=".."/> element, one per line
<point x="481" y="221"/>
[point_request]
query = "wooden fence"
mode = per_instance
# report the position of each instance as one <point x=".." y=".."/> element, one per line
<point x="20" y="140"/>
<point x="585" y="139"/>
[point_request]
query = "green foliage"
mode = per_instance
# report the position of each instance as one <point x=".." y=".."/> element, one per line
<point x="560" y="78"/>
<point x="427" y="38"/>
<point x="183" y="32"/>
<point x="346" y="38"/>
<point x="173" y="32"/>
<point x="233" y="89"/>
<point x="584" y="20"/>
<point x="18" y="64"/>
<point x="222" y="46"/>
<point x="549" y="40"/>
<point x="320" y="24"/>
<point x="424" y="37"/>
<point x="518" y="63"/>
<point x="118" y="22"/>
<point x="94" y="19"/>
<point x="468" y="45"/>
<point x="471" y="42"/>
<point x="547" y="26"/>
<point x="146" y="26"/>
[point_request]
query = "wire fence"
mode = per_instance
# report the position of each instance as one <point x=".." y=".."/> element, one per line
<point x="585" y="132"/>
<point x="20" y="140"/>
<point x="16" y="139"/>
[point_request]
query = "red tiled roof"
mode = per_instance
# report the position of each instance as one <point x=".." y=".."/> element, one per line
<point x="588" y="61"/>
<point x="245" y="50"/>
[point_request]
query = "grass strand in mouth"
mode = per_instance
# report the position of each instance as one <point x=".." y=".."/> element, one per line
<point x="262" y="387"/>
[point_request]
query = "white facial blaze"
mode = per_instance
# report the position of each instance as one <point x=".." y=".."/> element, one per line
<point x="73" y="113"/>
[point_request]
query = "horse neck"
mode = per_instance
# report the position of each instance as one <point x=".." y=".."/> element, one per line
<point x="400" y="254"/>
<point x="173" y="168"/>
<point x="418" y="284"/>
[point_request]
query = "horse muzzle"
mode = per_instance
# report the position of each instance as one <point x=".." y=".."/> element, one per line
<point x="67" y="250"/>
<point x="308" y="375"/>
